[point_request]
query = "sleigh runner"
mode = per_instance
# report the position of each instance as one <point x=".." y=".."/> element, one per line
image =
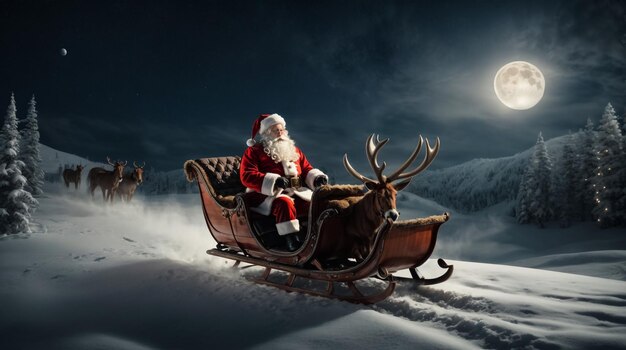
<point x="245" y="236"/>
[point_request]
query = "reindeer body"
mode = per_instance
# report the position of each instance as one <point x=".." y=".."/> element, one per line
<point x="360" y="219"/>
<point x="127" y="187"/>
<point x="362" y="223"/>
<point x="70" y="175"/>
<point x="130" y="182"/>
<point x="108" y="181"/>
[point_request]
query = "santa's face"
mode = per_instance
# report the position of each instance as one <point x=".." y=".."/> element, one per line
<point x="278" y="145"/>
<point x="276" y="131"/>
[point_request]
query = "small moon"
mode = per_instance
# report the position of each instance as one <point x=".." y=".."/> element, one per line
<point x="519" y="85"/>
<point x="63" y="52"/>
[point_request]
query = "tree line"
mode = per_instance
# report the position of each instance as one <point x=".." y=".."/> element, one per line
<point x="588" y="181"/>
<point x="21" y="176"/>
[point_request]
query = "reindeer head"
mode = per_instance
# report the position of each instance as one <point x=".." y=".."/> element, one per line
<point x="383" y="189"/>
<point x="138" y="172"/>
<point x="118" y="169"/>
<point x="79" y="168"/>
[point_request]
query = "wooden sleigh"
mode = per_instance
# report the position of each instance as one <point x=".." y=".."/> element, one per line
<point x="245" y="236"/>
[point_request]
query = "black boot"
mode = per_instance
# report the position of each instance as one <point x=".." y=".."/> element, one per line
<point x="298" y="237"/>
<point x="291" y="241"/>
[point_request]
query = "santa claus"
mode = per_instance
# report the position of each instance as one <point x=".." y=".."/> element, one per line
<point x="278" y="176"/>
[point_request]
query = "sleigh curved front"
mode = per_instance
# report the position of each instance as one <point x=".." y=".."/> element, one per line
<point x="410" y="243"/>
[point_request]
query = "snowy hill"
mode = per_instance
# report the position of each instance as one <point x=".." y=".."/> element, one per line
<point x="53" y="161"/>
<point x="479" y="183"/>
<point x="136" y="276"/>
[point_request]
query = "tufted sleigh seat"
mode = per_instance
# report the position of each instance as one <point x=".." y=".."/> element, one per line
<point x="222" y="178"/>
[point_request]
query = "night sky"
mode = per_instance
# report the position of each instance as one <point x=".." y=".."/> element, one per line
<point x="167" y="81"/>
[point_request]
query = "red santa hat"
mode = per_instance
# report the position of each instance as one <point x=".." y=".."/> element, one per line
<point x="262" y="123"/>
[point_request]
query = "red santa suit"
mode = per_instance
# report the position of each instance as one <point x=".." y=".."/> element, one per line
<point x="259" y="172"/>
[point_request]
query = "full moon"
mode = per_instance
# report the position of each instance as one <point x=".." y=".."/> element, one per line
<point x="519" y="85"/>
<point x="63" y="52"/>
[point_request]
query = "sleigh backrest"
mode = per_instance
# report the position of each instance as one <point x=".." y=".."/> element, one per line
<point x="221" y="176"/>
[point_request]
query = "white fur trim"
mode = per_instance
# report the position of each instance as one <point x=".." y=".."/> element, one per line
<point x="310" y="177"/>
<point x="250" y="142"/>
<point x="287" y="227"/>
<point x="271" y="120"/>
<point x="268" y="184"/>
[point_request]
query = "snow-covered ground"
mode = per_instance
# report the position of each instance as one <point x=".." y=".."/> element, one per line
<point x="136" y="276"/>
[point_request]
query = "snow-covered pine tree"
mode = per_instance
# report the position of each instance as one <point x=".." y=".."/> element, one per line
<point x="15" y="202"/>
<point x="540" y="207"/>
<point x="565" y="179"/>
<point x="29" y="151"/>
<point x="606" y="182"/>
<point x="524" y="195"/>
<point x="621" y="174"/>
<point x="588" y="164"/>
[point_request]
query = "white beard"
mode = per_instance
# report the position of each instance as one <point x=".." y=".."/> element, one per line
<point x="281" y="149"/>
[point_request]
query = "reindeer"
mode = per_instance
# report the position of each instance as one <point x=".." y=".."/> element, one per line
<point x="107" y="180"/>
<point x="129" y="183"/>
<point x="70" y="175"/>
<point x="379" y="203"/>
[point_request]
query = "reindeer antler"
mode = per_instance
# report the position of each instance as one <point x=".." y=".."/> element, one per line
<point x="353" y="172"/>
<point x="431" y="153"/>
<point x="373" y="147"/>
<point x="109" y="160"/>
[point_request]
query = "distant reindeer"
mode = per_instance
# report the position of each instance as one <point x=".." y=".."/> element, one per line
<point x="379" y="203"/>
<point x="108" y="181"/>
<point x="128" y="186"/>
<point x="70" y="175"/>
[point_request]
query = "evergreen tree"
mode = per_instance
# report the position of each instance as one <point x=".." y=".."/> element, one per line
<point x="621" y="175"/>
<point x="565" y="181"/>
<point x="540" y="207"/>
<point x="606" y="181"/>
<point x="524" y="196"/>
<point x="15" y="202"/>
<point x="29" y="152"/>
<point x="588" y="164"/>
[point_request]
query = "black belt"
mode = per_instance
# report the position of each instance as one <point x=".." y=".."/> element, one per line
<point x="294" y="182"/>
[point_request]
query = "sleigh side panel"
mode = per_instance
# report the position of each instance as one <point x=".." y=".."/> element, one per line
<point x="218" y="223"/>
<point x="410" y="244"/>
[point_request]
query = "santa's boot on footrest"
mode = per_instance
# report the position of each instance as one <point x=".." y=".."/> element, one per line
<point x="299" y="237"/>
<point x="292" y="243"/>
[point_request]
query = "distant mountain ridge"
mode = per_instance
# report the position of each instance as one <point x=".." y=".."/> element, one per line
<point x="480" y="183"/>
